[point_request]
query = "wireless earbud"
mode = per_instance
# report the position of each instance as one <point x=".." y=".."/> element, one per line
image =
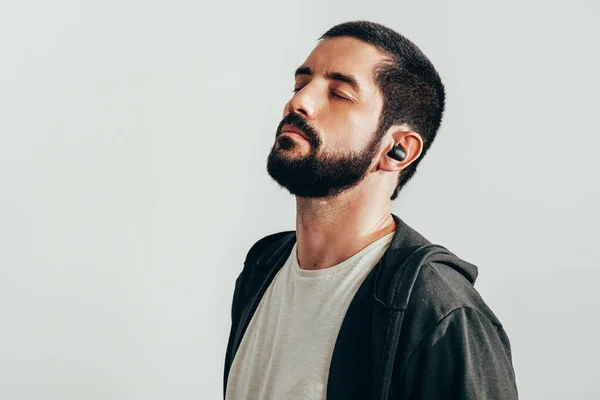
<point x="397" y="153"/>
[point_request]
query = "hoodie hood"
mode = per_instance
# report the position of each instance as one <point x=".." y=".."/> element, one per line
<point x="401" y="262"/>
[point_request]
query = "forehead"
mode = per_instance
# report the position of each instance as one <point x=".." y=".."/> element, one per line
<point x="346" y="55"/>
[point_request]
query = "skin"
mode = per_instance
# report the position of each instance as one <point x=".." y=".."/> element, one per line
<point x="332" y="229"/>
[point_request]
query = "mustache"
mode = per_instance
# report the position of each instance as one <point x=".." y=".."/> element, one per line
<point x="298" y="122"/>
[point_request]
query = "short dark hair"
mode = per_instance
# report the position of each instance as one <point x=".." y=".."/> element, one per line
<point x="412" y="90"/>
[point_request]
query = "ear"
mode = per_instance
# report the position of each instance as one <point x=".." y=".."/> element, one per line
<point x="403" y="136"/>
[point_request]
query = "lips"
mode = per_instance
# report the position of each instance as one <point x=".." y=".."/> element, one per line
<point x="293" y="129"/>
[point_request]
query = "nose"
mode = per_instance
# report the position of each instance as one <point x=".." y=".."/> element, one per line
<point x="302" y="103"/>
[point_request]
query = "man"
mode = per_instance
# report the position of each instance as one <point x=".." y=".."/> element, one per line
<point x="355" y="304"/>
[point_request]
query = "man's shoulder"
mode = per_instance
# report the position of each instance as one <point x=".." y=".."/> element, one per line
<point x="443" y="289"/>
<point x="447" y="333"/>
<point x="439" y="292"/>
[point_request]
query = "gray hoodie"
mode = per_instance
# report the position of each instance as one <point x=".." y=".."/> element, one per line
<point x="415" y="329"/>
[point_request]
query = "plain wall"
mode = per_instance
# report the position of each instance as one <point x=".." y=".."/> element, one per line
<point x="133" y="145"/>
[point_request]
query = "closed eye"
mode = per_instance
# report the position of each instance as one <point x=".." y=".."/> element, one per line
<point x="339" y="96"/>
<point x="296" y="90"/>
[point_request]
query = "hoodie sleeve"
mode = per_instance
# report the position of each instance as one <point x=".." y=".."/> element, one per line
<point x="464" y="357"/>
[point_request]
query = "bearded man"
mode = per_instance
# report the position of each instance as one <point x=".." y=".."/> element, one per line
<point x="355" y="304"/>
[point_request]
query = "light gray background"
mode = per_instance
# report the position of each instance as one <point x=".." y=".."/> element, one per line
<point x="133" y="142"/>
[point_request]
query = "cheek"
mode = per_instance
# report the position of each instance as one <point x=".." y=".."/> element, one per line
<point x="355" y="130"/>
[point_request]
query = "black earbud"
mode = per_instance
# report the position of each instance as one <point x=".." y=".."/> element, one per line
<point x="397" y="153"/>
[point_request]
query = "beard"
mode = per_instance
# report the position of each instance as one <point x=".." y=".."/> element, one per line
<point x="318" y="174"/>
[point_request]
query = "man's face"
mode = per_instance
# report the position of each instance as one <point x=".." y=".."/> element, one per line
<point x="335" y="111"/>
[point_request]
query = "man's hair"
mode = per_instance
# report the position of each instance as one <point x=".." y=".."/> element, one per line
<point x="412" y="90"/>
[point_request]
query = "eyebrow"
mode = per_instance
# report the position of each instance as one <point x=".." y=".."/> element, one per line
<point x="337" y="76"/>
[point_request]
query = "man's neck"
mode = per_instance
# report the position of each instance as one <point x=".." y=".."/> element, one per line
<point x="329" y="231"/>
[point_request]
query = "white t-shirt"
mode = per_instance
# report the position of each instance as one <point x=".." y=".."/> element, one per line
<point x="286" y="350"/>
